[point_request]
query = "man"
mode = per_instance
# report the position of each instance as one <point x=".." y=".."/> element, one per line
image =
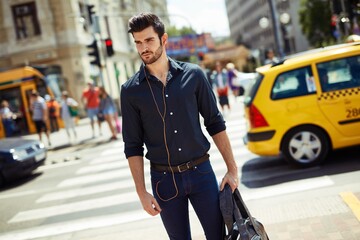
<point x="160" y="107"/>
<point x="39" y="114"/>
<point x="90" y="99"/>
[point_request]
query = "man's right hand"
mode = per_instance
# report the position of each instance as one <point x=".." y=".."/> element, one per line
<point x="150" y="205"/>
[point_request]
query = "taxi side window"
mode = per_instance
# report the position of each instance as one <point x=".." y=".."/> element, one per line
<point x="294" y="83"/>
<point x="339" y="74"/>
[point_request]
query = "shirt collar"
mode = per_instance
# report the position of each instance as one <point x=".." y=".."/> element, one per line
<point x="174" y="66"/>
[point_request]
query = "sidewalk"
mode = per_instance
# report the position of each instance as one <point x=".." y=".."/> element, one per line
<point x="329" y="227"/>
<point x="60" y="140"/>
<point x="335" y="226"/>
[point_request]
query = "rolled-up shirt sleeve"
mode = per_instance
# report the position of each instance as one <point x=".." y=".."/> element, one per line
<point x="213" y="120"/>
<point x="132" y="127"/>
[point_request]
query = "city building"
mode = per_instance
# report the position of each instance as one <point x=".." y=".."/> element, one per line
<point x="54" y="37"/>
<point x="250" y="24"/>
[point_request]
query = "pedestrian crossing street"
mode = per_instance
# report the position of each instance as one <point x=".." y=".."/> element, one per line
<point x="101" y="193"/>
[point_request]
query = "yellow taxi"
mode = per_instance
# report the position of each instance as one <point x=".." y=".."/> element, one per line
<point x="306" y="105"/>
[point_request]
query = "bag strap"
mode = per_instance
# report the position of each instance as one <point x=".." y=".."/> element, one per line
<point x="245" y="213"/>
<point x="240" y="223"/>
<point x="241" y="205"/>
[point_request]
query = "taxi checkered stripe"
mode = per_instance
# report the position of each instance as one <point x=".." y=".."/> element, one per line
<point x="339" y="93"/>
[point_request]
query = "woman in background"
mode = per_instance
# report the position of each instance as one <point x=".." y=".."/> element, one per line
<point x="221" y="82"/>
<point x="231" y="76"/>
<point x="108" y="110"/>
<point x="68" y="113"/>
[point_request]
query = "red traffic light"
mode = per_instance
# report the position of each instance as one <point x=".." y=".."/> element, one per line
<point x="108" y="42"/>
<point x="109" y="47"/>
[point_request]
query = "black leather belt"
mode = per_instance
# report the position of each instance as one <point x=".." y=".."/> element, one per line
<point x="182" y="167"/>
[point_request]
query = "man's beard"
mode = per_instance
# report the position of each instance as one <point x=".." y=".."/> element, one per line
<point x="156" y="56"/>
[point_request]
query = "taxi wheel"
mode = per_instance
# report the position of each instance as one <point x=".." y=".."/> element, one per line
<point x="305" y="146"/>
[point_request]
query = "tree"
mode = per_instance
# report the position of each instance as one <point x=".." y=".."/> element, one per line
<point x="315" y="20"/>
<point x="173" y="31"/>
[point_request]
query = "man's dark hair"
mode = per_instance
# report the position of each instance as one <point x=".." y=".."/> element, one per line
<point x="141" y="21"/>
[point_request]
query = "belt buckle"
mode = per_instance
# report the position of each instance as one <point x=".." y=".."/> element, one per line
<point x="183" y="167"/>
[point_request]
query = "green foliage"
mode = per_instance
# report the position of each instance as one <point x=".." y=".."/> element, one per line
<point x="173" y="31"/>
<point x="315" y="20"/>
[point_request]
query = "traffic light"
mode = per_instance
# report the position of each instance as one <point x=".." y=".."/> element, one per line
<point x="94" y="51"/>
<point x="201" y="56"/>
<point x="91" y="12"/>
<point x="109" y="47"/>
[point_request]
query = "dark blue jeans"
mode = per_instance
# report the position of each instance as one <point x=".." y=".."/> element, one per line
<point x="9" y="127"/>
<point x="201" y="188"/>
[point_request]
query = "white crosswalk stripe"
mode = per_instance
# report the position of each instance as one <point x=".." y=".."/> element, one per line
<point x="85" y="191"/>
<point x="98" y="168"/>
<point x="95" y="177"/>
<point x="74" y="207"/>
<point x="75" y="225"/>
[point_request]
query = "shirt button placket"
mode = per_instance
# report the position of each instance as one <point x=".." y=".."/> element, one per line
<point x="175" y="131"/>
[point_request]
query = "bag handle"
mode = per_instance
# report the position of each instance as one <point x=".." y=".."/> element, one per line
<point x="241" y="205"/>
<point x="245" y="213"/>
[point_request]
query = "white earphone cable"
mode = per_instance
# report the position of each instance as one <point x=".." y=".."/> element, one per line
<point x="162" y="116"/>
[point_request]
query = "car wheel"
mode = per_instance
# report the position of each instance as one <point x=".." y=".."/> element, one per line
<point x="305" y="146"/>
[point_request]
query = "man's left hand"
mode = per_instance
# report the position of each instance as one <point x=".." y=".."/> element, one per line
<point x="230" y="178"/>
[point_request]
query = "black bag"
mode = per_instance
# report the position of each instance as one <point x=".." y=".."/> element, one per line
<point x="100" y="117"/>
<point x="238" y="220"/>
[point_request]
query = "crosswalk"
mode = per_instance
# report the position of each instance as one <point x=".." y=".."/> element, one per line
<point x="101" y="193"/>
<point x="104" y="182"/>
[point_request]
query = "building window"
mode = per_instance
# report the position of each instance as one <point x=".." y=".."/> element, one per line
<point x="25" y="20"/>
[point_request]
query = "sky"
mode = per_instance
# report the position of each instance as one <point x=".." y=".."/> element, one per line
<point x="201" y="15"/>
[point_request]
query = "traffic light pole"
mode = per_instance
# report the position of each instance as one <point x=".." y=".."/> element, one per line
<point x="95" y="33"/>
<point x="276" y="27"/>
<point x="99" y="51"/>
<point x="93" y="26"/>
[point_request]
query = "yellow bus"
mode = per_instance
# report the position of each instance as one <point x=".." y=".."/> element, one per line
<point x="16" y="86"/>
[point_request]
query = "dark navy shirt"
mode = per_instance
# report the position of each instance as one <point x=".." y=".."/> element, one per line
<point x="186" y="94"/>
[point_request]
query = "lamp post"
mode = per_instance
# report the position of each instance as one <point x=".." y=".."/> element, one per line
<point x="276" y="26"/>
<point x="280" y="27"/>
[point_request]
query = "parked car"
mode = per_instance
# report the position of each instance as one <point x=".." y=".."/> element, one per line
<point x="306" y="105"/>
<point x="19" y="157"/>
